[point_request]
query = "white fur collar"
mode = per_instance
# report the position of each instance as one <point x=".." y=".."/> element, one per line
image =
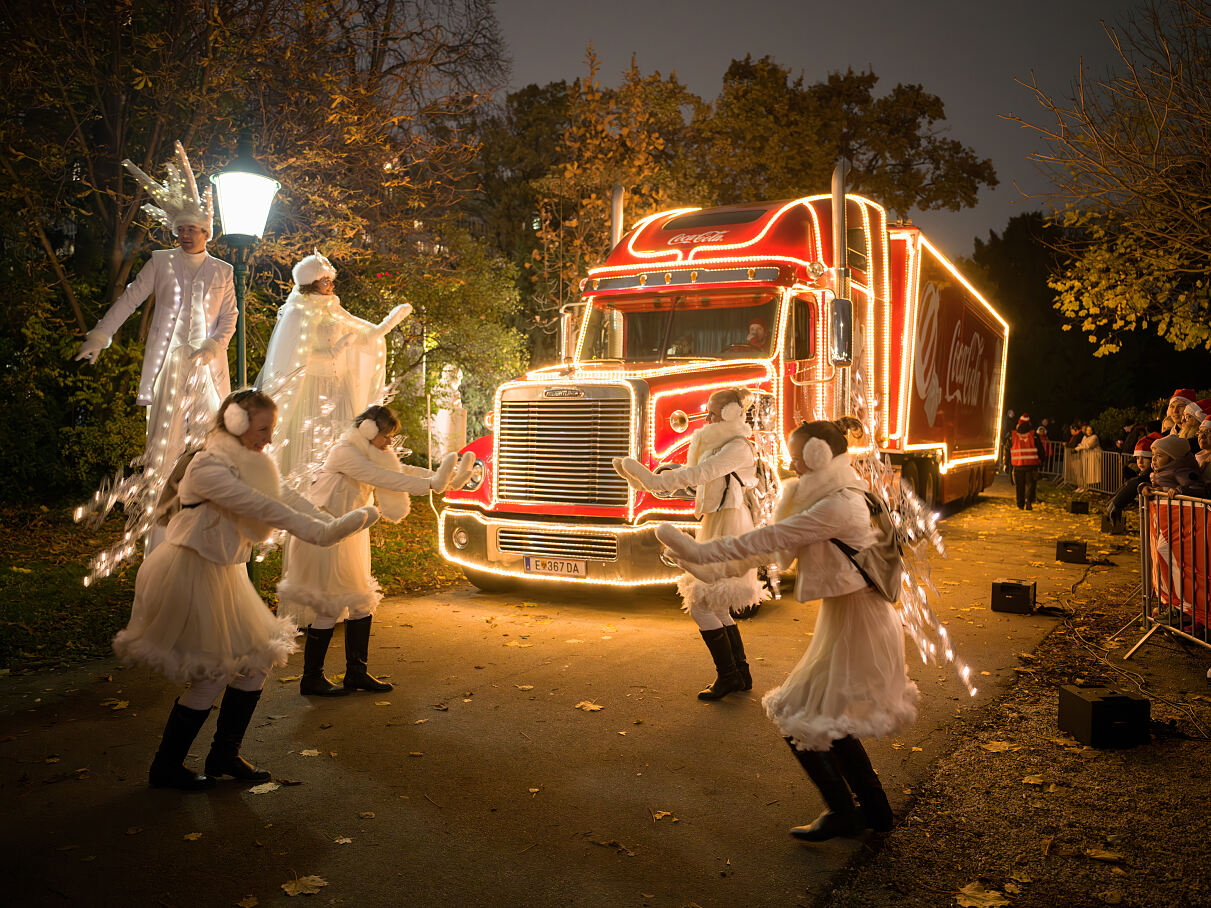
<point x="713" y="436"/>
<point x="318" y="302"/>
<point x="798" y="495"/>
<point x="253" y="467"/>
<point x="387" y="459"/>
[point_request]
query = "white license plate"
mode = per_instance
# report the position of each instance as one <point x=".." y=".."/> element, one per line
<point x="555" y="566"/>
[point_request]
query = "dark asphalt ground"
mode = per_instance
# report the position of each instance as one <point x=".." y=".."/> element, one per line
<point x="478" y="781"/>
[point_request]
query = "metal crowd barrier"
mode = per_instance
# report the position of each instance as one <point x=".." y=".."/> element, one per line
<point x="1053" y="460"/>
<point x="1096" y="471"/>
<point x="1175" y="552"/>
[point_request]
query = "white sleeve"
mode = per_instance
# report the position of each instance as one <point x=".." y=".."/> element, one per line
<point x="346" y="461"/>
<point x="731" y="458"/>
<point x="136" y="293"/>
<point x="819" y="523"/>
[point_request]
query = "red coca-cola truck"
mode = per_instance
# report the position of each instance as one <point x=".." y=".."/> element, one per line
<point x="876" y="323"/>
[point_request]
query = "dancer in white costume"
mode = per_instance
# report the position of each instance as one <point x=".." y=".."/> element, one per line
<point x="185" y="359"/>
<point x="196" y="616"/>
<point x="323" y="366"/>
<point x="322" y="586"/>
<point x="852" y="681"/>
<point x="720" y="462"/>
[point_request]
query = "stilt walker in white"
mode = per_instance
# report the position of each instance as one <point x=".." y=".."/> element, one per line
<point x="719" y="464"/>
<point x="185" y="373"/>
<point x="323" y="366"/>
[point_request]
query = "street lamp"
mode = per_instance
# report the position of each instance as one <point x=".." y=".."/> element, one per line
<point x="244" y="191"/>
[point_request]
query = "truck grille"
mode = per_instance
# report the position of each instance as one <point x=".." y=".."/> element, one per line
<point x="560" y="450"/>
<point x="558" y="545"/>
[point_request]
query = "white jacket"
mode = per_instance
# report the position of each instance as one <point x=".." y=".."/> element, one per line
<point x="163" y="276"/>
<point x="355" y="469"/>
<point x="811" y="511"/>
<point x="230" y="501"/>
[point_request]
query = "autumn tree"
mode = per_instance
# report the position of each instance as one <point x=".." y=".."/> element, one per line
<point x="1130" y="158"/>
<point x="770" y="136"/>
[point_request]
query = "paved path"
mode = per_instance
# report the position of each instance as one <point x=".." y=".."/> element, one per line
<point x="478" y="781"/>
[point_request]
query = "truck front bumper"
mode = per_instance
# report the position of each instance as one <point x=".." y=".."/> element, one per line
<point x="554" y="550"/>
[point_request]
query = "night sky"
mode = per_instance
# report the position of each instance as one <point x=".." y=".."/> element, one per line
<point x="969" y="54"/>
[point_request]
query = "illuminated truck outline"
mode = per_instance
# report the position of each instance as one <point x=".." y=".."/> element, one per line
<point x="944" y="378"/>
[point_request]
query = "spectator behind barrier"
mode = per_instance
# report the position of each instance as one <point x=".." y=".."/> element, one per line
<point x="1203" y="457"/>
<point x="1174" y="468"/>
<point x="1129" y="490"/>
<point x="1192" y="419"/>
<point x="1182" y="397"/>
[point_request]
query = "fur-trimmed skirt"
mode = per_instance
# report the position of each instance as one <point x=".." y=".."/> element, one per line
<point x="719" y="597"/>
<point x="852" y="679"/>
<point x="194" y="619"/>
<point x="332" y="582"/>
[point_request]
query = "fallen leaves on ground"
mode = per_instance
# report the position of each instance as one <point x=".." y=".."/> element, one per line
<point x="997" y="747"/>
<point x="1099" y="854"/>
<point x="974" y="895"/>
<point x="343" y="840"/>
<point x="248" y="901"/>
<point x="264" y="788"/>
<point x="588" y="706"/>
<point x="304" y="885"/>
<point x="192" y="836"/>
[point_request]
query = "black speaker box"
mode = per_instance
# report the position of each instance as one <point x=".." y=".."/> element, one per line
<point x="1070" y="550"/>
<point x="1015" y="596"/>
<point x="1078" y="506"/>
<point x="1103" y="716"/>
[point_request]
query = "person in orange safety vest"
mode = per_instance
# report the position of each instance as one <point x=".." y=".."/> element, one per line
<point x="1026" y="456"/>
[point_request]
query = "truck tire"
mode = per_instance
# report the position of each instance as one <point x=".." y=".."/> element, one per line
<point x="488" y="582"/>
<point x="909" y="476"/>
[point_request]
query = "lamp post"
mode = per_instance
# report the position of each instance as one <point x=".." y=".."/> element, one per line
<point x="244" y="191"/>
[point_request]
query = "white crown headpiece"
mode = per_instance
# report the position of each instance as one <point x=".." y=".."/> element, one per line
<point x="177" y="200"/>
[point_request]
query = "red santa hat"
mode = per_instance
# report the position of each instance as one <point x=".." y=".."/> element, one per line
<point x="1025" y="417"/>
<point x="1184" y="394"/>
<point x="1143" y="447"/>
<point x="1199" y="409"/>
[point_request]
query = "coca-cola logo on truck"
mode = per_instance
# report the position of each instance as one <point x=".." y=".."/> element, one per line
<point x="695" y="239"/>
<point x="967" y="372"/>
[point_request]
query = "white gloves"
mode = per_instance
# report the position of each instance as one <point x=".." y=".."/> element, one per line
<point x="329" y="532"/>
<point x="394" y="317"/>
<point x="462" y="472"/>
<point x="681" y="544"/>
<point x="94" y="342"/>
<point x="205" y="354"/>
<point x="641" y="477"/>
<point x="440" y="480"/>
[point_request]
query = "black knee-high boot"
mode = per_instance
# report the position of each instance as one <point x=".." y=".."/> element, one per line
<point x="315" y="648"/>
<point x="864" y="781"/>
<point x="357" y="649"/>
<point x="841" y="818"/>
<point x="234" y="715"/>
<point x="168" y="768"/>
<point x="727" y="678"/>
<point x="733" y="637"/>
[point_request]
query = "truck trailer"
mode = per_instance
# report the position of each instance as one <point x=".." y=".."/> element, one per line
<point x="876" y="324"/>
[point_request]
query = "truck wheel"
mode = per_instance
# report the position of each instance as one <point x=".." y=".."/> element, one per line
<point x="910" y="478"/>
<point x="488" y="582"/>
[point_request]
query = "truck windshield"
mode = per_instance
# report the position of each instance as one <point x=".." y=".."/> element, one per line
<point x="660" y="328"/>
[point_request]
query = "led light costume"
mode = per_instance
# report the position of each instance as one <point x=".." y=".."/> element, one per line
<point x="323" y="366"/>
<point x="184" y="374"/>
<point x="720" y="462"/>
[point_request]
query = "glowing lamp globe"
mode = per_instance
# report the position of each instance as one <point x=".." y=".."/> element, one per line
<point x="243" y="193"/>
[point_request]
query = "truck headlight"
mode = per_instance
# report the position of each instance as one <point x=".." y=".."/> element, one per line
<point x="477" y="478"/>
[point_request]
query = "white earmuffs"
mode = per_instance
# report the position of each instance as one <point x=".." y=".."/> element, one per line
<point x="368" y="429"/>
<point x="732" y="412"/>
<point x="817" y="454"/>
<point x="236" y="419"/>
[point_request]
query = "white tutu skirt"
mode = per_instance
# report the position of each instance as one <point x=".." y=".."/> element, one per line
<point x="330" y="581"/>
<point x="721" y="596"/>
<point x="196" y="620"/>
<point x="851" y="680"/>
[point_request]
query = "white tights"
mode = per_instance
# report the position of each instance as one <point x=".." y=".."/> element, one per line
<point x="324" y="622"/>
<point x="202" y="694"/>
<point x="707" y="620"/>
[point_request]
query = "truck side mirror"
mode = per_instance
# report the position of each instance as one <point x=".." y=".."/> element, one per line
<point x="569" y="330"/>
<point x="841" y="332"/>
